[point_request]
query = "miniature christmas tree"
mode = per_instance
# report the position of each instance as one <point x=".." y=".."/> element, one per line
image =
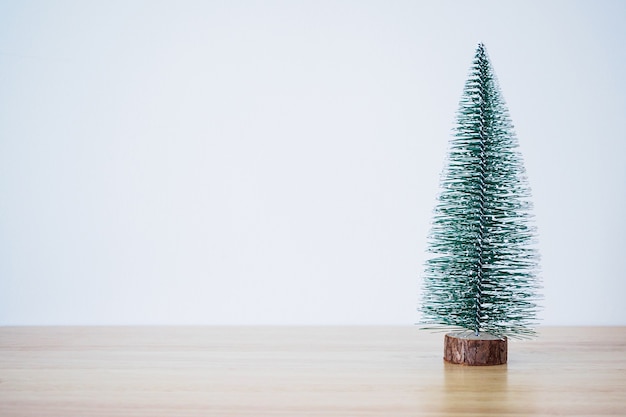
<point x="482" y="276"/>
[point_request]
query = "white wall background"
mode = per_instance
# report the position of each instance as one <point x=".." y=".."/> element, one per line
<point x="276" y="162"/>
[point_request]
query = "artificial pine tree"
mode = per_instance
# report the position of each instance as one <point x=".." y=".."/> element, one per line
<point x="482" y="276"/>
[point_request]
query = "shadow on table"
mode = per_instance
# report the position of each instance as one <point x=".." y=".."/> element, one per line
<point x="480" y="390"/>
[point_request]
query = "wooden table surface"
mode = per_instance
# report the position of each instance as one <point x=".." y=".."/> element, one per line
<point x="302" y="371"/>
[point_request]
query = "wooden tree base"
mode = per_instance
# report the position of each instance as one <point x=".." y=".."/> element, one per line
<point x="469" y="349"/>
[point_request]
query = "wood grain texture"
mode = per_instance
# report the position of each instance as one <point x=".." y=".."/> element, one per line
<point x="468" y="349"/>
<point x="302" y="371"/>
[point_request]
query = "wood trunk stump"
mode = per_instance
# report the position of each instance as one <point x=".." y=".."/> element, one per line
<point x="468" y="349"/>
